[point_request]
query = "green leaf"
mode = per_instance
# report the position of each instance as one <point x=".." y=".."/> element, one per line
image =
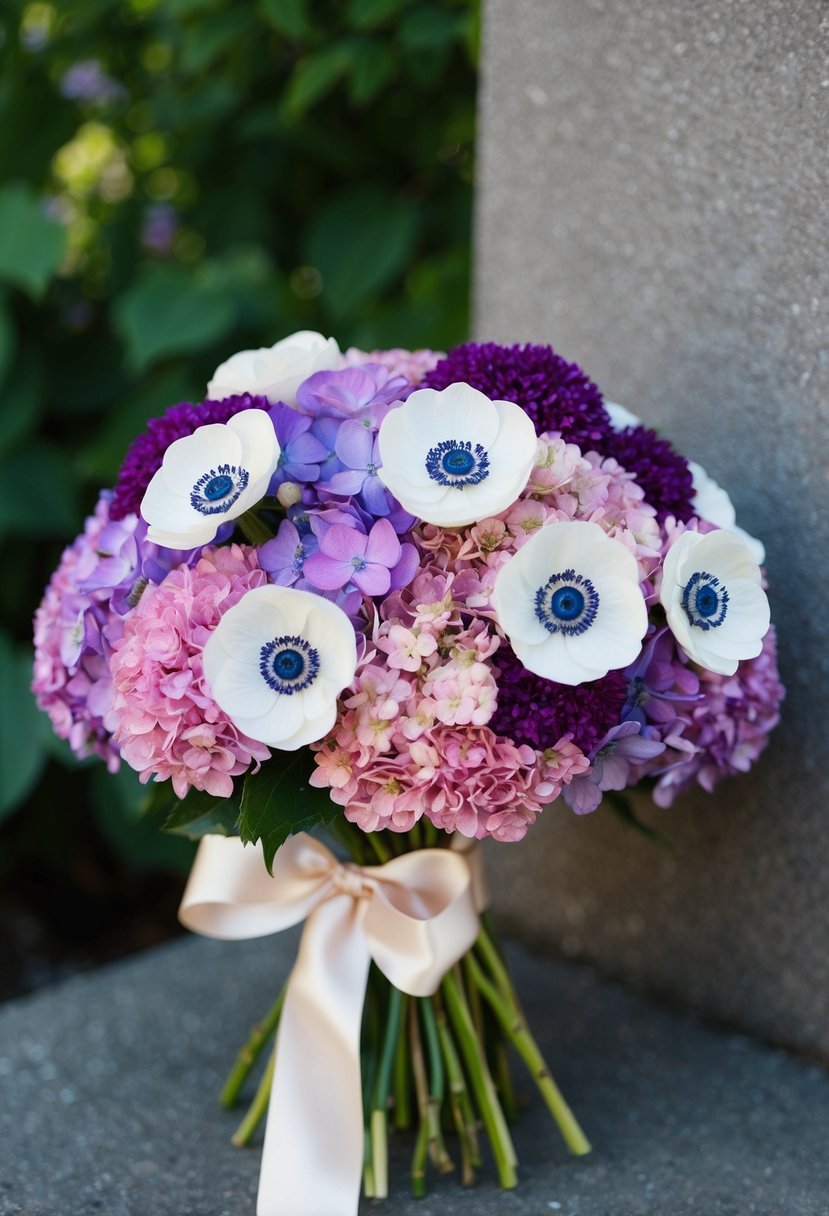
<point x="200" y="815"/>
<point x="368" y="14"/>
<point x="372" y="67"/>
<point x="215" y="35"/>
<point x="101" y="456"/>
<point x="118" y="801"/>
<point x="22" y="753"/>
<point x="38" y="496"/>
<point x="360" y="242"/>
<point x="278" y="802"/>
<point x="621" y="806"/>
<point x="8" y="342"/>
<point x="289" y="17"/>
<point x="426" y="28"/>
<point x="31" y="244"/>
<point x="170" y="310"/>
<point x="315" y="77"/>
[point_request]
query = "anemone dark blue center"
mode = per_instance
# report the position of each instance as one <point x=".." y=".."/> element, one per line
<point x="289" y="664"/>
<point x="705" y="600"/>
<point x="457" y="463"/>
<point x="217" y="489"/>
<point x="567" y="603"/>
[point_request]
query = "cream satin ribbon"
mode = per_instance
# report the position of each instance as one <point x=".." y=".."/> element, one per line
<point x="416" y="916"/>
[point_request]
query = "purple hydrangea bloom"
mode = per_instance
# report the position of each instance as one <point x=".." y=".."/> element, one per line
<point x="358" y="450"/>
<point x="348" y="555"/>
<point x="362" y="393"/>
<point x="556" y="394"/>
<point x="658" y="682"/>
<point x="302" y="453"/>
<point x="624" y="747"/>
<point x="283" y="558"/>
<point x="146" y="453"/>
<point x="727" y="729"/>
<point x="325" y="430"/>
<point x="99" y="579"/>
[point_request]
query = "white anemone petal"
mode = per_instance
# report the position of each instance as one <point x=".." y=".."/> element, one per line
<point x="189" y="458"/>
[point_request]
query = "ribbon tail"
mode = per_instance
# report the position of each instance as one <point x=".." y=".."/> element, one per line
<point x="313" y="1153"/>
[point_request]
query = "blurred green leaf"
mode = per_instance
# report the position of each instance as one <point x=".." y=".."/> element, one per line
<point x="184" y="8"/>
<point x="372" y="66"/>
<point x="278" y="803"/>
<point x="289" y="17"/>
<point x="22" y="754"/>
<point x="20" y="401"/>
<point x="368" y="14"/>
<point x="118" y="801"/>
<point x="426" y="27"/>
<point x="38" y="496"/>
<point x="170" y="310"/>
<point x="206" y="41"/>
<point x="316" y="76"/>
<point x="200" y="815"/>
<point x="31" y="245"/>
<point x="359" y="242"/>
<point x="8" y="340"/>
<point x="106" y="446"/>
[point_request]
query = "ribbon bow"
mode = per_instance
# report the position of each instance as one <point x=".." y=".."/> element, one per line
<point x="415" y="916"/>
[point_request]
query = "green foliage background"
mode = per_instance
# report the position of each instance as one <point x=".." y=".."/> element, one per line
<point x="181" y="179"/>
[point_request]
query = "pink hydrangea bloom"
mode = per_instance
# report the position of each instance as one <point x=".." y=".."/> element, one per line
<point x="413" y="364"/>
<point x="412" y="738"/>
<point x="168" y="726"/>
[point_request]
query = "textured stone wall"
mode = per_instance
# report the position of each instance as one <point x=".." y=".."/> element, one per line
<point x="653" y="201"/>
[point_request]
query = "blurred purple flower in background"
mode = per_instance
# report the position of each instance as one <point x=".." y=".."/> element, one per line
<point x="86" y="80"/>
<point x="159" y="228"/>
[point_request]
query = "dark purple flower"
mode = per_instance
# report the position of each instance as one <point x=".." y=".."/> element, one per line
<point x="556" y="394"/>
<point x="146" y="453"/>
<point x="623" y="747"/>
<point x="284" y="557"/>
<point x="662" y="473"/>
<point x="364" y="393"/>
<point x="535" y="711"/>
<point x="301" y="453"/>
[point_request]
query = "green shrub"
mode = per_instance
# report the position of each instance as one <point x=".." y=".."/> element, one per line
<point x="180" y="179"/>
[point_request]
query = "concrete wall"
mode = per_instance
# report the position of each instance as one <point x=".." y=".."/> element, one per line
<point x="653" y="201"/>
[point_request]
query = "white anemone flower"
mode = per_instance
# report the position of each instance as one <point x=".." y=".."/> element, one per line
<point x="275" y="372"/>
<point x="621" y="416"/>
<point x="452" y="456"/>
<point x="570" y="603"/>
<point x="711" y="502"/>
<point x="276" y="663"/>
<point x="208" y="478"/>
<point x="711" y="593"/>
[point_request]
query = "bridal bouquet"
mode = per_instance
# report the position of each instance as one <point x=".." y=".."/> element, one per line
<point x="409" y="601"/>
